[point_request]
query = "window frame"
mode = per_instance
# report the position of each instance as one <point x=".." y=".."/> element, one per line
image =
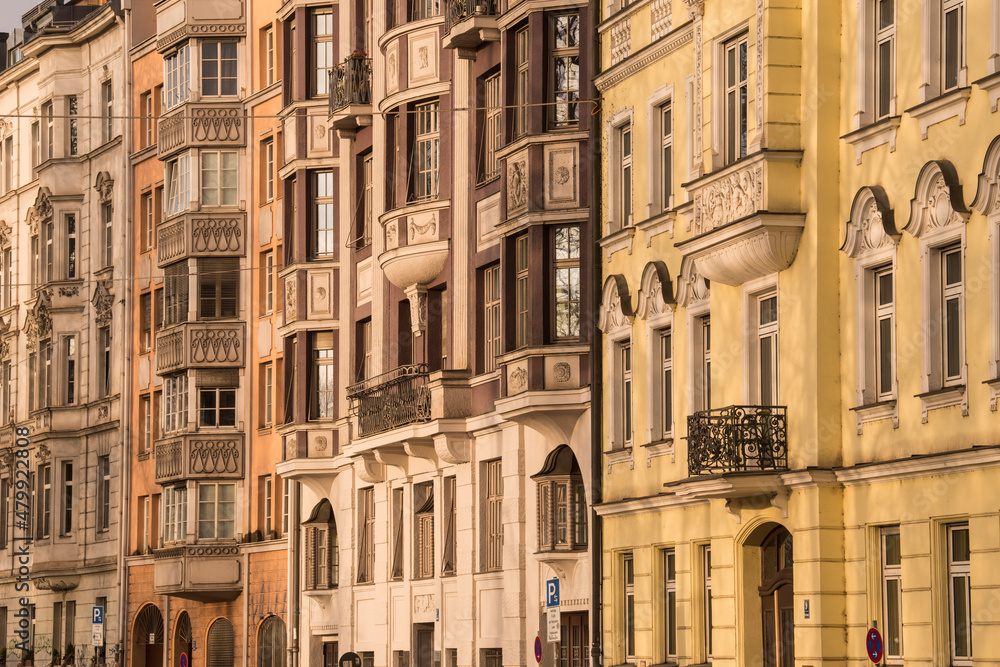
<point x="492" y="128"/>
<point x="956" y="570"/>
<point x="322" y="55"/>
<point x="67" y="498"/>
<point x="883" y="35"/>
<point x="890" y="572"/>
<point x="217" y="409"/>
<point x="215" y="527"/>
<point x="177" y="176"/>
<point x="366" y="537"/>
<point x="177" y="77"/>
<point x="492" y="318"/>
<point x="569" y="263"/>
<point x="628" y="606"/>
<point x="558" y="53"/>
<point x="493" y="515"/>
<point x="522" y="295"/>
<point x="521" y="83"/>
<point x="323" y="236"/>
<point x="735" y="129"/>
<point x="107" y="110"/>
<point x="221" y="195"/>
<point x="426" y="150"/>
<point x="222" y="57"/>
<point x="761" y="374"/>
<point x="668" y="565"/>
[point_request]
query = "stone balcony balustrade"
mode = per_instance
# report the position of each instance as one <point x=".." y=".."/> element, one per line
<point x="201" y="235"/>
<point x="201" y="345"/>
<point x="199" y="456"/>
<point x="201" y="125"/>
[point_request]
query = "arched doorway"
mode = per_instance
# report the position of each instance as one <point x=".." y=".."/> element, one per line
<point x="183" y="642"/>
<point x="776" y="599"/>
<point x="147" y="638"/>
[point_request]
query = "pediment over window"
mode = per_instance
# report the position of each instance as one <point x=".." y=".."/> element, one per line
<point x="656" y="291"/>
<point x="616" y="305"/>
<point x="937" y="201"/>
<point x="872" y="225"/>
<point x="105" y="187"/>
<point x="692" y="287"/>
<point x="987" y="199"/>
<point x="41" y="210"/>
<point x="321" y="515"/>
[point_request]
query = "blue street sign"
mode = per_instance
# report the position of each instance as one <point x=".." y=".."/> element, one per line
<point x="552" y="593"/>
<point x="98" y="615"/>
<point x="538" y="649"/>
<point x="874" y="645"/>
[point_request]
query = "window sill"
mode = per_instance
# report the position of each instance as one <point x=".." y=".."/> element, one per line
<point x="991" y="84"/>
<point x="663" y="447"/>
<point x="620" y="240"/>
<point x="877" y="412"/>
<point x="943" y="398"/>
<point x="941" y="108"/>
<point x="656" y="225"/>
<point x="994" y="386"/>
<point x="622" y="455"/>
<point x="871" y="136"/>
<point x="143" y="456"/>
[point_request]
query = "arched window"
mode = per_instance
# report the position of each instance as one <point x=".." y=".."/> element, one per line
<point x="147" y="648"/>
<point x="221" y="644"/>
<point x="183" y="638"/>
<point x="562" y="503"/>
<point x="322" y="557"/>
<point x="271" y="643"/>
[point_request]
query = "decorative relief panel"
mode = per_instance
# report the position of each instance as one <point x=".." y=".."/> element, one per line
<point x="662" y="14"/>
<point x="732" y="197"/>
<point x="320" y="298"/>
<point x="655" y="291"/>
<point x="319" y="137"/>
<point x="937" y="201"/>
<point x="105" y="187"/>
<point x="392" y="67"/>
<point x="561" y="162"/>
<point x="517" y="377"/>
<point x="562" y="372"/>
<point x="621" y="40"/>
<point x="517" y="183"/>
<point x="365" y="280"/>
<point x="392" y="234"/>
<point x="487" y="219"/>
<point x="422" y="228"/>
<point x="871" y="226"/>
<point x="616" y="305"/>
<point x="422" y="57"/>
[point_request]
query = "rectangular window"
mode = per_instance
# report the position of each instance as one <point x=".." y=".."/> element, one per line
<point x="269" y="57"/>
<point x="107" y="106"/>
<point x="423" y="530"/>
<point x="450" y="540"/>
<point x="36" y="149"/>
<point x="424" y="9"/>
<point x="427" y="150"/>
<point x="707" y="573"/>
<point x="175" y="293"/>
<point x="286" y="495"/>
<point x="178" y="178"/>
<point x="48" y="132"/>
<point x="8" y="277"/>
<point x="364" y="350"/>
<point x="219" y="174"/>
<point x="703" y="379"/>
<point x="322" y="51"/>
<point x="767" y="348"/>
<point x="177" y="77"/>
<point x="147" y="425"/>
<point x="268" y="152"/>
<point x="45" y="501"/>
<point x="625" y="359"/>
<point x="324" y="222"/>
<point x="952" y="314"/>
<point x="325" y="378"/>
<point x="885" y="57"/>
<point x="267" y="503"/>
<point x="492" y="657"/>
<point x="628" y="586"/>
<point x="885" y="313"/>
<point x="666" y="156"/>
<point x="267" y="409"/>
<point x="218" y="287"/>
<point x="73" y="110"/>
<point x="146" y="211"/>
<point x="669" y="566"/>
<point x="735" y="72"/>
<point x="216" y="511"/>
<point x="566" y="69"/>
<point x="521" y="87"/>
<point x="959" y="588"/>
<point x="70" y="245"/>
<point x="397" y="535"/>
<point x="666" y="383"/>
<point x="7" y="386"/>
<point x="5" y="492"/>
<point x="67" y="498"/>
<point x="174" y="514"/>
<point x="45" y="373"/>
<point x="952" y="43"/>
<point x="32" y="381"/>
<point x="146" y="326"/>
<point x="8" y="164"/>
<point x="107" y="222"/>
<point x="492" y="129"/>
<point x="892" y="594"/>
<point x="366" y="536"/>
<point x="567" y="282"/>
<point x="175" y="394"/>
<point x="267" y="280"/>
<point x="69" y="359"/>
<point x="521" y="293"/>
<point x="367" y="199"/>
<point x="104" y="361"/>
<point x="146" y="120"/>
<point x="491" y="317"/>
<point x="218" y="68"/>
<point x="494" y="515"/>
<point x="625" y="176"/>
<point x="216" y="407"/>
<point x="48" y="249"/>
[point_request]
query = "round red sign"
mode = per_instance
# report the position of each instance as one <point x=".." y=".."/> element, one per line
<point x="874" y="645"/>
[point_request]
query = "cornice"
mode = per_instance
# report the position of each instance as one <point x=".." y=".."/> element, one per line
<point x="919" y="466"/>
<point x="639" y="61"/>
<point x="657" y="503"/>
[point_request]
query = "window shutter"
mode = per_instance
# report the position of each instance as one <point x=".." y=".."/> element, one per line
<point x="176" y="293"/>
<point x="218" y="287"/>
<point x="310" y="558"/>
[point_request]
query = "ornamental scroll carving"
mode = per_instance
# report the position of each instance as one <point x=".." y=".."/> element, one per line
<point x="216" y="234"/>
<point x="616" y="305"/>
<point x="223" y="125"/>
<point x="215" y="346"/>
<point x="937" y="201"/>
<point x="656" y="293"/>
<point x="215" y="457"/>
<point x="692" y="287"/>
<point x="104" y="302"/>
<point x="38" y="323"/>
<point x="871" y="226"/>
<point x="105" y="187"/>
<point x="5" y="231"/>
<point x="291" y="291"/>
<point x="40" y="211"/>
<point x="729" y="198"/>
<point x="987" y="199"/>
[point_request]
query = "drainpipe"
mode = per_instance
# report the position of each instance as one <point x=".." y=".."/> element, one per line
<point x="293" y="572"/>
<point x="596" y="362"/>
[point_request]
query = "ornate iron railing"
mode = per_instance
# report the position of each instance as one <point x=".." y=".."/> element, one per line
<point x="459" y="10"/>
<point x="391" y="400"/>
<point x="351" y="83"/>
<point x="737" y="438"/>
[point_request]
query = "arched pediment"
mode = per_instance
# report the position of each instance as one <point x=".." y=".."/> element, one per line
<point x="937" y="201"/>
<point x="656" y="290"/>
<point x="872" y="225"/>
<point x="616" y="305"/>
<point x="987" y="199"/>
<point x="41" y="210"/>
<point x="105" y="187"/>
<point x="692" y="287"/>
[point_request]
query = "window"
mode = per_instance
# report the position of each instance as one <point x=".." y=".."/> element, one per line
<point x="36" y="149"/>
<point x="221" y="644"/>
<point x="73" y="110"/>
<point x="566" y="69"/>
<point x="325" y="558"/>
<point x="885" y="313"/>
<point x="218" y="68"/>
<point x="952" y="44"/>
<point x="177" y="77"/>
<point x="146" y="120"/>
<point x="766" y="348"/>
<point x="666" y="156"/>
<point x="666" y="383"/>
<point x="330" y="654"/>
<point x="147" y="425"/>
<point x="885" y="58"/>
<point x="7" y="386"/>
<point x="322" y="51"/>
<point x="44" y="525"/>
<point x="703" y="370"/>
<point x="427" y="150"/>
<point x="268" y="154"/>
<point x="521" y="87"/>
<point x="367" y="194"/>
<point x="669" y="565"/>
<point x="366" y="537"/>
<point x="324" y="223"/>
<point x="46" y="259"/>
<point x="217" y="407"/>
<point x="8" y="277"/>
<point x="491" y="317"/>
<point x="286" y="495"/>
<point x="562" y="503"/>
<point x="146" y="211"/>
<point x="32" y="381"/>
<point x="397" y="535"/>
<point x="423" y="530"/>
<point x="5" y="494"/>
<point x="735" y="72"/>
<point x="892" y="595"/>
<point x="492" y="657"/>
<point x="493" y="478"/>
<point x="174" y="514"/>
<point x="70" y="245"/>
<point x="104" y="361"/>
<point x="45" y="373"/>
<point x="216" y="511"/>
<point x="269" y="56"/>
<point x="450" y="546"/>
<point x="567" y="282"/>
<point x="107" y="220"/>
<point x="628" y="606"/>
<point x="624" y="214"/>
<point x="178" y="184"/>
<point x="492" y="129"/>
<point x="707" y="597"/>
<point x="69" y="359"/>
<point x="267" y="504"/>
<point x="521" y="293"/>
<point x="107" y="105"/>
<point x="959" y="605"/>
<point x="271" y="640"/>
<point x="424" y="9"/>
<point x="146" y="317"/>
<point x="625" y="391"/>
<point x="67" y="498"/>
<point x="325" y="378"/>
<point x="268" y="281"/>
<point x="218" y="287"/>
<point x="267" y="410"/>
<point x="219" y="173"/>
<point x="952" y="315"/>
<point x="175" y="388"/>
<point x="175" y="293"/>
<point x="48" y="132"/>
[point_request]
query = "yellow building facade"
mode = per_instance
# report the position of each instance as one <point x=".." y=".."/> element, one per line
<point x="801" y="318"/>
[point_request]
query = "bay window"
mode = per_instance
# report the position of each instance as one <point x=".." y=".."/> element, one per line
<point x="427" y="150"/>
<point x="565" y="69"/>
<point x="566" y="241"/>
<point x="174" y="513"/>
<point x="178" y="177"/>
<point x="177" y="77"/>
<point x="216" y="511"/>
<point x="219" y="178"/>
<point x="562" y="503"/>
<point x="218" y="68"/>
<point x="175" y="395"/>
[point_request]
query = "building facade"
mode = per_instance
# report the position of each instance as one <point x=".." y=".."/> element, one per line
<point x="800" y="282"/>
<point x="63" y="323"/>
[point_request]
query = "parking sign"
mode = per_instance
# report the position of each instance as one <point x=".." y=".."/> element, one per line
<point x="552" y="593"/>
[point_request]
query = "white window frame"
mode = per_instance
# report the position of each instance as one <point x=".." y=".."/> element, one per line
<point x="669" y="612"/>
<point x="885" y="313"/>
<point x="177" y="175"/>
<point x="890" y="572"/>
<point x="700" y="360"/>
<point x="218" y="79"/>
<point x="615" y="125"/>
<point x="957" y="570"/>
<point x="177" y="77"/>
<point x="67" y="498"/>
<point x="628" y="615"/>
<point x="625" y="172"/>
<point x="427" y="150"/>
<point x="175" y="511"/>
<point x="71" y="376"/>
<point x="269" y="56"/>
<point x="884" y="35"/>
<point x="615" y="339"/>
<point x="268" y="393"/>
<point x="719" y="114"/>
<point x="215" y="528"/>
<point x="493" y="514"/>
<point x="706" y="580"/>
<point x="492" y="128"/>
<point x="146" y="413"/>
<point x="107" y="110"/>
<point x="932" y="57"/>
<point x="732" y="41"/>
<point x="268" y="282"/>
<point x="217" y="410"/>
<point x="226" y="165"/>
<point x="492" y="318"/>
<point x="626" y="392"/>
<point x="269" y="169"/>
<point x="754" y="293"/>
<point x="268" y="501"/>
<point x="175" y="403"/>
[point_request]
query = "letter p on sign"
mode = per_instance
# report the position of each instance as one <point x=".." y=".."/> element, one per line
<point x="552" y="593"/>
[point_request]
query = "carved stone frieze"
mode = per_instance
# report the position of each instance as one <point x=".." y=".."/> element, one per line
<point x="38" y="322"/>
<point x="517" y="184"/>
<point x="732" y="197"/>
<point x="291" y="290"/>
<point x="104" y="302"/>
<point x="621" y="40"/>
<point x="662" y="15"/>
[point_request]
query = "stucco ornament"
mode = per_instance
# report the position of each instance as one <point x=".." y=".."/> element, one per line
<point x="40" y="211"/>
<point x="38" y="322"/>
<point x="562" y="372"/>
<point x="42" y="454"/>
<point x="429" y="228"/>
<point x="987" y="199"/>
<point x="290" y="294"/>
<point x="105" y="187"/>
<point x="871" y="226"/>
<point x="517" y="185"/>
<point x="103" y="301"/>
<point x="662" y="14"/>
<point x="417" y="294"/>
<point x="692" y="287"/>
<point x="656" y="292"/>
<point x="517" y="379"/>
<point x="5" y="231"/>
<point x="616" y="305"/>
<point x="730" y="198"/>
<point x="937" y="201"/>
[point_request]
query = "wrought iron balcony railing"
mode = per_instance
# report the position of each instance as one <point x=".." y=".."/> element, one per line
<point x="459" y="10"/>
<point x="391" y="400"/>
<point x="351" y="83"/>
<point x="737" y="438"/>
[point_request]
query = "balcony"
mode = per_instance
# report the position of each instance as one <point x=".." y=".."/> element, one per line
<point x="202" y="572"/>
<point x="201" y="345"/>
<point x="193" y="125"/>
<point x="201" y="234"/>
<point x="351" y="93"/>
<point x="470" y="23"/>
<point x="199" y="456"/>
<point x="390" y="400"/>
<point x="738" y="438"/>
